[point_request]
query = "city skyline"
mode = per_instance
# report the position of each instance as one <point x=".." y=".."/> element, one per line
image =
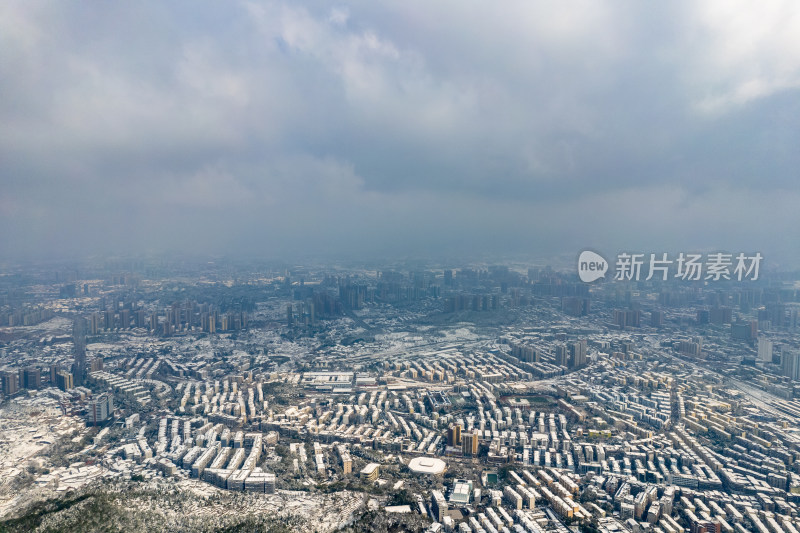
<point x="246" y="397"/>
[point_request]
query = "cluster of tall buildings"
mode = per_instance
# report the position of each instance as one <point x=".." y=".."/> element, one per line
<point x="571" y="355"/>
<point x="575" y="306"/>
<point x="715" y="315"/>
<point x="628" y="318"/>
<point x="471" y="302"/>
<point x="174" y="319"/>
<point x="468" y="441"/>
<point x="26" y="317"/>
<point x="30" y="378"/>
<point x="398" y="291"/>
<point x="353" y="296"/>
<point x="692" y="347"/>
<point x="301" y="314"/>
<point x="526" y="353"/>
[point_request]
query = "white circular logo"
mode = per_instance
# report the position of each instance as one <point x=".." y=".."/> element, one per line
<point x="591" y="266"/>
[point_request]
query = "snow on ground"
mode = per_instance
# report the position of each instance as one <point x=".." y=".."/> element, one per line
<point x="324" y="512"/>
<point x="30" y="427"/>
<point x="459" y="334"/>
<point x="55" y="326"/>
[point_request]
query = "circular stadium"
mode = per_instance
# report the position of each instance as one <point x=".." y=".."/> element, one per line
<point x="427" y="466"/>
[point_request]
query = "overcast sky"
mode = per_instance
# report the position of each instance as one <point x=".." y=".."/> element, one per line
<point x="400" y="128"/>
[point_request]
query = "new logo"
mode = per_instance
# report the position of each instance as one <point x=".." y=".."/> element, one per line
<point x="591" y="266"/>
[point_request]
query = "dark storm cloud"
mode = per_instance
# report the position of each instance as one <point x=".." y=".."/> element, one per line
<point x="276" y="128"/>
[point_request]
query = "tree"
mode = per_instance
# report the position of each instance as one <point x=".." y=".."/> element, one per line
<point x="402" y="497"/>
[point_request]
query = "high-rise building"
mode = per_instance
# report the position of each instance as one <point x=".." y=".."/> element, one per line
<point x="656" y="319"/>
<point x="577" y="354"/>
<point x="139" y="318"/>
<point x="94" y="323"/>
<point x="64" y="380"/>
<point x="744" y="331"/>
<point x="469" y="443"/>
<point x="525" y="353"/>
<point x="96" y="364"/>
<point x="100" y="409"/>
<point x="692" y="347"/>
<point x="776" y="313"/>
<point x="793" y="320"/>
<point x="10" y="383"/>
<point x="438" y="505"/>
<point x="124" y="319"/>
<point x="575" y="306"/>
<point x="108" y="319"/>
<point x="790" y="364"/>
<point x="764" y="350"/>
<point x="79" y="342"/>
<point x="347" y="461"/>
<point x="627" y="318"/>
<point x="448" y="277"/>
<point x="720" y="315"/>
<point x="454" y="435"/>
<point x="32" y="378"/>
<point x="562" y="355"/>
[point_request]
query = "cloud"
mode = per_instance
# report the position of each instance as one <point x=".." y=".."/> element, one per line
<point x="396" y="127"/>
<point x="747" y="52"/>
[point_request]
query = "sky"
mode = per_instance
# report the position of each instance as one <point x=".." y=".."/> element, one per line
<point x="399" y="128"/>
